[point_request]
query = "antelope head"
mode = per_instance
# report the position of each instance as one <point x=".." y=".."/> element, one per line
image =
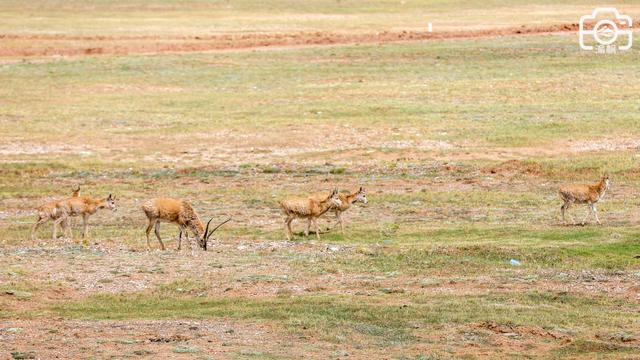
<point x="361" y="195"/>
<point x="606" y="180"/>
<point x="334" y="199"/>
<point x="110" y="203"/>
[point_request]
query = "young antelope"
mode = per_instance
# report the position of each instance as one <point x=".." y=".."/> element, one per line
<point x="346" y="201"/>
<point x="583" y="194"/>
<point x="60" y="211"/>
<point x="307" y="208"/>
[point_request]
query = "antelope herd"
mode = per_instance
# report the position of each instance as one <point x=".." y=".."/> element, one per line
<point x="309" y="208"/>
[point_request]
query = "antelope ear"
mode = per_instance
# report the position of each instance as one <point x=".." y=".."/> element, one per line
<point x="361" y="189"/>
<point x="109" y="197"/>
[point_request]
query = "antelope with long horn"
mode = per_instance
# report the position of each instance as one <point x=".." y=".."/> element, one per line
<point x="181" y="213"/>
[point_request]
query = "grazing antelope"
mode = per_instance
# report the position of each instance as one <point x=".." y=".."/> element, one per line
<point x="181" y="213"/>
<point x="60" y="211"/>
<point x="583" y="194"/>
<point x="308" y="208"/>
<point x="347" y="200"/>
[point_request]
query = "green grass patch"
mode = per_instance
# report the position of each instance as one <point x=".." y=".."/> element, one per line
<point x="370" y="316"/>
<point x="484" y="249"/>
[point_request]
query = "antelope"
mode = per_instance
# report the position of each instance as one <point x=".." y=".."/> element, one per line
<point x="583" y="194"/>
<point x="181" y="213"/>
<point x="308" y="208"/>
<point x="347" y="200"/>
<point x="60" y="211"/>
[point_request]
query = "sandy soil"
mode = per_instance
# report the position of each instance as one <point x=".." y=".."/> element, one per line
<point x="21" y="45"/>
<point x="187" y="339"/>
<point x="345" y="143"/>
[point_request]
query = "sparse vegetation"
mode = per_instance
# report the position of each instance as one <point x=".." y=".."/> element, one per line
<point x="461" y="145"/>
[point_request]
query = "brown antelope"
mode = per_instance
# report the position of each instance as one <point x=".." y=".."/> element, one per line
<point x="60" y="211"/>
<point x="308" y="208"/>
<point x="347" y="200"/>
<point x="181" y="213"/>
<point x="583" y="194"/>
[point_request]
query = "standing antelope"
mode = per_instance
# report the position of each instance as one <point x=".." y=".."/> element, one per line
<point x="347" y="200"/>
<point x="60" y="211"/>
<point x="307" y="208"/>
<point x="181" y="213"/>
<point x="583" y="194"/>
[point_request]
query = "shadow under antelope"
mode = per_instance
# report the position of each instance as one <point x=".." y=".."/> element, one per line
<point x="181" y="213"/>
<point x="589" y="194"/>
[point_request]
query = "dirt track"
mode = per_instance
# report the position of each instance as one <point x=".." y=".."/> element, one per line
<point x="59" y="44"/>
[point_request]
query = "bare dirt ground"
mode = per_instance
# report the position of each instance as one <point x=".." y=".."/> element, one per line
<point x="233" y="339"/>
<point x="19" y="45"/>
<point x="345" y="143"/>
<point x="65" y="274"/>
<point x="229" y="271"/>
